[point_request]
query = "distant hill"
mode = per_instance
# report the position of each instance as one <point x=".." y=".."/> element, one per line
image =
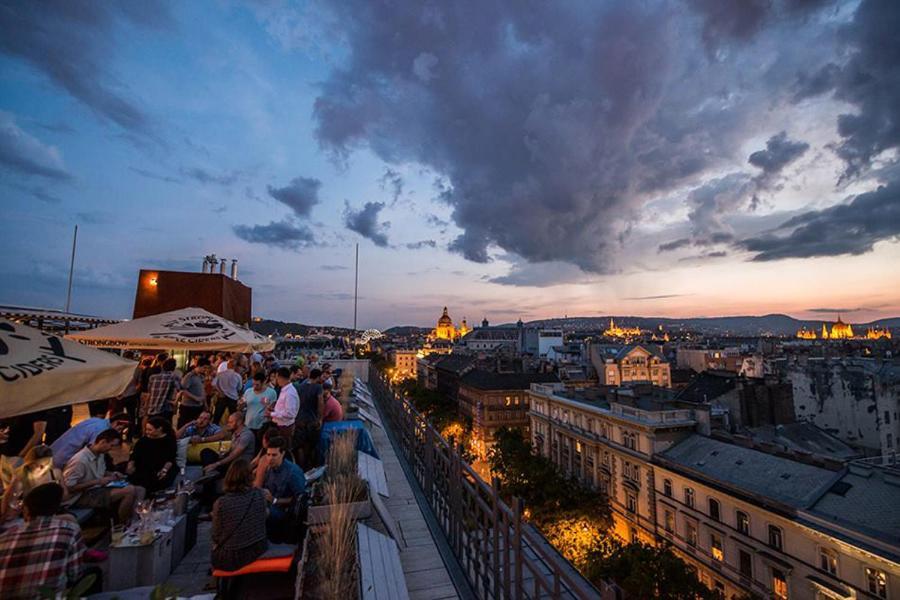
<point x="774" y="324"/>
<point x="402" y="330"/>
<point x="268" y="326"/>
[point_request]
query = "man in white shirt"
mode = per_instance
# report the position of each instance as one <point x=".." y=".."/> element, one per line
<point x="284" y="413"/>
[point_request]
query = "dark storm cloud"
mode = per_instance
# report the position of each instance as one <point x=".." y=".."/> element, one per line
<point x="300" y="195"/>
<point x="282" y="234"/>
<point x="740" y="20"/>
<point x="26" y="155"/>
<point x="870" y="80"/>
<point x="717" y="199"/>
<point x="834" y="310"/>
<point x="548" y="125"/>
<point x="849" y="228"/>
<point x="365" y="222"/>
<point x="71" y="41"/>
<point x="779" y="153"/>
<point x="421" y="244"/>
<point x="393" y="181"/>
<point x="674" y="245"/>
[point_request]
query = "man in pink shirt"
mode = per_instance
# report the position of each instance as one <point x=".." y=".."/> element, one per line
<point x="333" y="409"/>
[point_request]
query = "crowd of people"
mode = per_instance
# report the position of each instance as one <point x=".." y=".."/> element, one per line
<point x="135" y="446"/>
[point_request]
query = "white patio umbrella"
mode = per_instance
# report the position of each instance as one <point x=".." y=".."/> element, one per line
<point x="40" y="371"/>
<point x="185" y="329"/>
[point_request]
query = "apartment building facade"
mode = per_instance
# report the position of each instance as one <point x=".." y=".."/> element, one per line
<point x="630" y="364"/>
<point x="749" y="522"/>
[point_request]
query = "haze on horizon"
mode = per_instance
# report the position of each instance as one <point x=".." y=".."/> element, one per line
<point x="506" y="159"/>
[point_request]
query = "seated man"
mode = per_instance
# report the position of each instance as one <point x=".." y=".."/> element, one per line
<point x="84" y="433"/>
<point x="42" y="557"/>
<point x="202" y="430"/>
<point x="243" y="445"/>
<point x="86" y="478"/>
<point x="282" y="483"/>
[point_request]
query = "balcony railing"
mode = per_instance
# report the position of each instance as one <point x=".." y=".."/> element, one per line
<point x="499" y="553"/>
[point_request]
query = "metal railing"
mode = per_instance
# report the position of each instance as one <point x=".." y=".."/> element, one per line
<point x="500" y="554"/>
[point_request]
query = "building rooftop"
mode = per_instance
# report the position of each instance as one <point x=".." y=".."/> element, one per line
<point x="707" y="386"/>
<point x="487" y="380"/>
<point x="756" y="473"/>
<point x="865" y="499"/>
<point x="456" y="363"/>
<point x="492" y="334"/>
<point x="804" y="437"/>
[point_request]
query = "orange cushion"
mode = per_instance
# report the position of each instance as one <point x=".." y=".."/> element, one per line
<point x="279" y="564"/>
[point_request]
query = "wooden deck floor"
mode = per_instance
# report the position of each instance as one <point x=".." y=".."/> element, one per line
<point x="426" y="575"/>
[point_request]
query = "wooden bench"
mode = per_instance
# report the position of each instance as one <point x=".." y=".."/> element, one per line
<point x="380" y="571"/>
<point x="371" y="469"/>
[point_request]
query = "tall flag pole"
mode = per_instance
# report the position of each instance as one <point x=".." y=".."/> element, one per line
<point x="356" y="290"/>
<point x="71" y="270"/>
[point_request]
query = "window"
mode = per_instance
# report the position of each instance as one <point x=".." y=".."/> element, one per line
<point x="631" y="471"/>
<point x="629" y="440"/>
<point x="690" y="533"/>
<point x="775" y="537"/>
<point x="779" y="585"/>
<point x="667" y="487"/>
<point x="745" y="563"/>
<point x="828" y="560"/>
<point x="714" y="509"/>
<point x="689" y="497"/>
<point x="887" y="417"/>
<point x="670" y="521"/>
<point x="715" y="547"/>
<point x="631" y="502"/>
<point x="718" y="589"/>
<point x="743" y="522"/>
<point x="634" y="535"/>
<point x="876" y="582"/>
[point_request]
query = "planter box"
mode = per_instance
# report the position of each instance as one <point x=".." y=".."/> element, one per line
<point x="319" y="515"/>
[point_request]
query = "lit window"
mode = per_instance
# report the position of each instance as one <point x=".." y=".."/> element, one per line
<point x="689" y="497"/>
<point x="715" y="547"/>
<point x="828" y="560"/>
<point x="667" y="487"/>
<point x="743" y="522"/>
<point x="714" y="509"/>
<point x="779" y="585"/>
<point x="775" y="537"/>
<point x="577" y="446"/>
<point x="876" y="582"/>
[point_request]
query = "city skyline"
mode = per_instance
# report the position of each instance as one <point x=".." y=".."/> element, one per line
<point x="666" y="159"/>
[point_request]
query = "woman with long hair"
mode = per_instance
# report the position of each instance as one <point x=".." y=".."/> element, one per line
<point x="152" y="463"/>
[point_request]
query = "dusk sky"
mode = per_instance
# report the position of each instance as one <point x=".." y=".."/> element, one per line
<point x="507" y="159"/>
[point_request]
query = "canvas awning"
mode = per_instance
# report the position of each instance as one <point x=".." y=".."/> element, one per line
<point x="40" y="371"/>
<point x="185" y="329"/>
